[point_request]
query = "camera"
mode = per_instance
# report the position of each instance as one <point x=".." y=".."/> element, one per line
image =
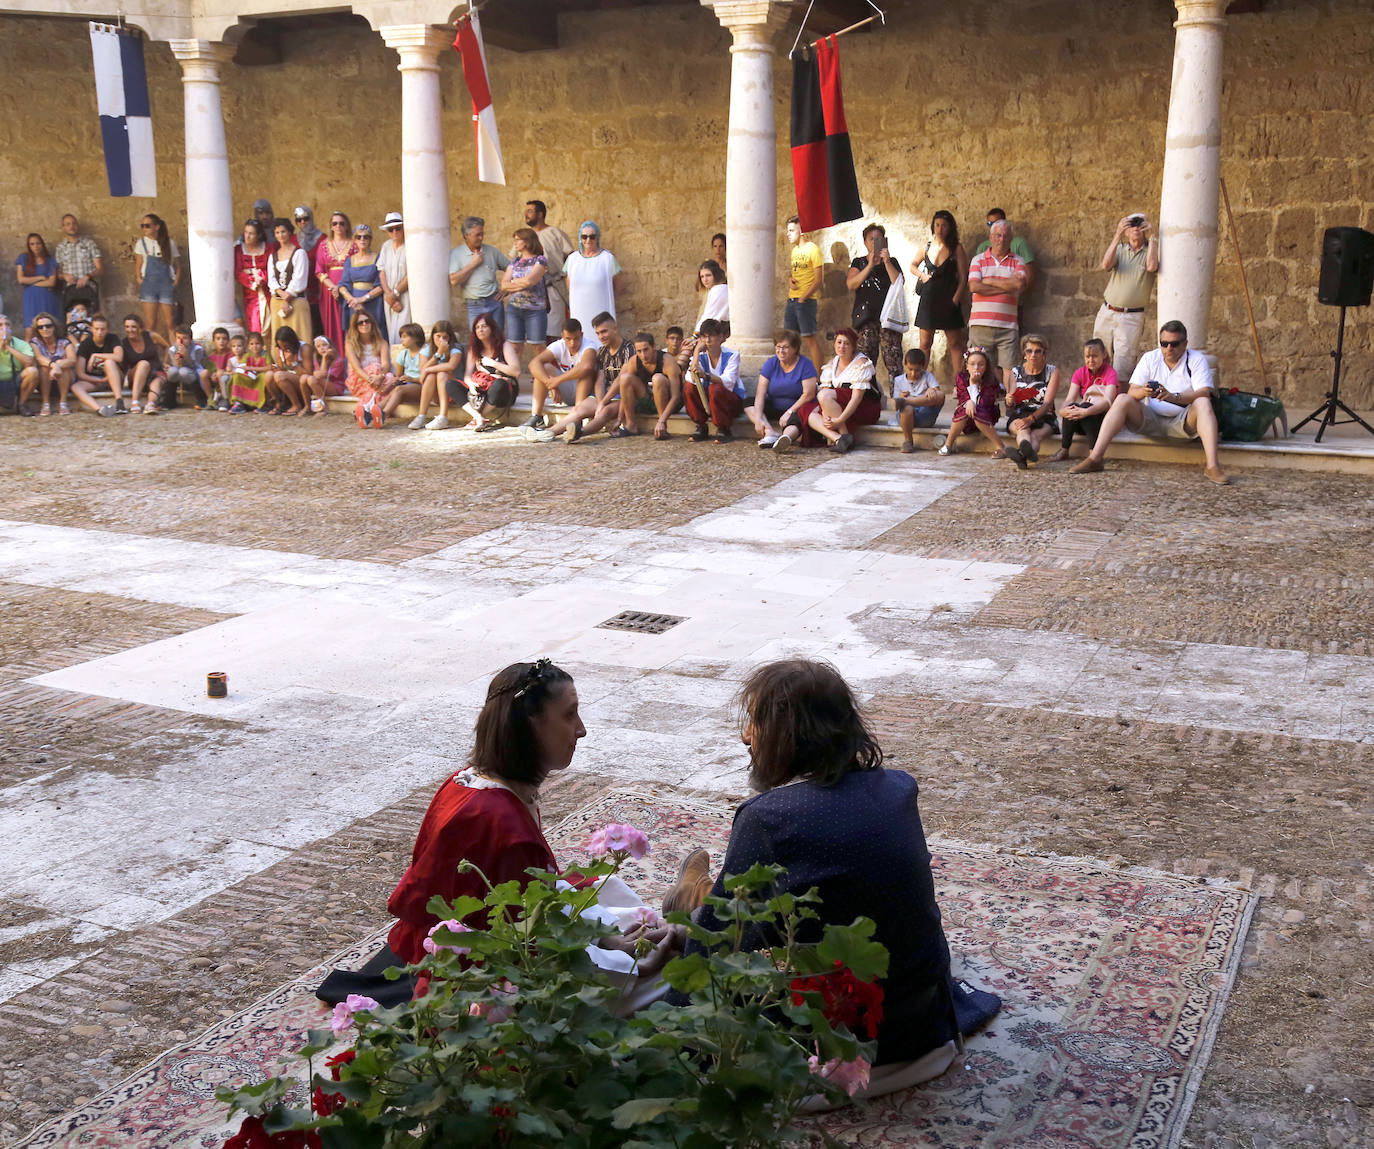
<point x="1136" y="221"/>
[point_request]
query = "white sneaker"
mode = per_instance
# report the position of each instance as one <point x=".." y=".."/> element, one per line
<point x="438" y="423"/>
<point x="768" y="440"/>
<point x="418" y="423"/>
<point x="784" y="444"/>
<point x="542" y="435"/>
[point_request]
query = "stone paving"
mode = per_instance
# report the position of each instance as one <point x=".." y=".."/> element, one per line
<point x="1132" y="666"/>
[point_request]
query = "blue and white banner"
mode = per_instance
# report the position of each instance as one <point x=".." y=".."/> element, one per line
<point x="126" y="125"/>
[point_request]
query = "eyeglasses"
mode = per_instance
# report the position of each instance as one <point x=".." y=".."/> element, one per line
<point x="148" y="226"/>
<point x="588" y="235"/>
<point x="1172" y="342"/>
<point x="1035" y="351"/>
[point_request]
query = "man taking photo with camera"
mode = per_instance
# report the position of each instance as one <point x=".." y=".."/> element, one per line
<point x="1170" y="397"/>
<point x="1132" y="264"/>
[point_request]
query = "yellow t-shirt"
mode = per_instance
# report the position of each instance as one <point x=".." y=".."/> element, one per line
<point x="806" y="267"/>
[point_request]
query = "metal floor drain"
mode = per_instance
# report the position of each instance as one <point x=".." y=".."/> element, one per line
<point x="641" y="622"/>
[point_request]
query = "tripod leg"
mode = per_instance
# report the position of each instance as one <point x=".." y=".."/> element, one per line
<point x="1353" y="417"/>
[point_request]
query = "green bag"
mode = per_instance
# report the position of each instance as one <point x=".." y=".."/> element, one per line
<point x="1245" y="417"/>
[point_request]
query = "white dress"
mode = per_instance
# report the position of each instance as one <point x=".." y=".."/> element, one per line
<point x="391" y="260"/>
<point x="591" y="285"/>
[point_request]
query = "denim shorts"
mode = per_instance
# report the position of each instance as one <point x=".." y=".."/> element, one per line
<point x="526" y="325"/>
<point x="800" y="316"/>
<point x="157" y="284"/>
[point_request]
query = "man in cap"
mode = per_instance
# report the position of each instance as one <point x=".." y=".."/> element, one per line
<point x="391" y="264"/>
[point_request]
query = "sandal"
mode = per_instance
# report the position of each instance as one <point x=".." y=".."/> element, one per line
<point x="135" y="408"/>
<point x="623" y="433"/>
<point x="46" y="409"/>
<point x="63" y="409"/>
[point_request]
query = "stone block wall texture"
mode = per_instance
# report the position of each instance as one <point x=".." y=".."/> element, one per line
<point x="626" y="124"/>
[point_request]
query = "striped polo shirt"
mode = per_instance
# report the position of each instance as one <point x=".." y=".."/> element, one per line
<point x="994" y="310"/>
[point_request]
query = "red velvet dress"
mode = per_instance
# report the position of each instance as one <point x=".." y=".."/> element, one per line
<point x="493" y="829"/>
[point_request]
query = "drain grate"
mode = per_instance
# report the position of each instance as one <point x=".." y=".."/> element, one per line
<point x="641" y="622"/>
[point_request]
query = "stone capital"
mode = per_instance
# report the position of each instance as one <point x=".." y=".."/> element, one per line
<point x="1193" y="13"/>
<point x="418" y="44"/>
<point x="751" y="21"/>
<point x="201" y="59"/>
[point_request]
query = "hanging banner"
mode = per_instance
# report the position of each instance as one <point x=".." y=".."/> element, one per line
<point x="468" y="44"/>
<point x="822" y="161"/>
<point x="126" y="124"/>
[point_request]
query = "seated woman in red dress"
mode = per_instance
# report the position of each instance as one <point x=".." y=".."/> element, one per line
<point x="487" y="814"/>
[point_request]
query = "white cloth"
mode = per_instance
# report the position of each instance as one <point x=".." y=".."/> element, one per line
<point x="894" y="315"/>
<point x="858" y="376"/>
<point x="294" y="270"/>
<point x="727" y="367"/>
<point x="565" y="358"/>
<point x="717" y="305"/>
<point x="391" y="262"/>
<point x="1191" y="374"/>
<point x="902" y="387"/>
<point x="591" y="285"/>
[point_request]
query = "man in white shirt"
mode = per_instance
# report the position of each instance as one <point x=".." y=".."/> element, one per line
<point x="1169" y="397"/>
<point x="715" y="371"/>
<point x="570" y="360"/>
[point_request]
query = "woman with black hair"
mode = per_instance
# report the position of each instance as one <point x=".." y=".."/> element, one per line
<point x="487" y="814"/>
<point x="829" y="813"/>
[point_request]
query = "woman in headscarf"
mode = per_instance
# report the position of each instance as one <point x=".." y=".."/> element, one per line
<point x="591" y="272"/>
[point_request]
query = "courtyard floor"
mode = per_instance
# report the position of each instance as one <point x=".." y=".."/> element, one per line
<point x="1136" y="666"/>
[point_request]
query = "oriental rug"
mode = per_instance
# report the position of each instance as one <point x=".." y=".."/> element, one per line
<point x="1113" y="982"/>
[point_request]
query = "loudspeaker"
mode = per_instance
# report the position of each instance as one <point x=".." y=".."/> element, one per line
<point x="1347" y="274"/>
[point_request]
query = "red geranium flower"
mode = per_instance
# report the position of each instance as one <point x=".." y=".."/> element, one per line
<point x="845" y="1000"/>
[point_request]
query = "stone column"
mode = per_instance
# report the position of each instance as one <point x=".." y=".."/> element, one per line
<point x="1189" y="217"/>
<point x="751" y="172"/>
<point x="209" y="202"/>
<point x="424" y="171"/>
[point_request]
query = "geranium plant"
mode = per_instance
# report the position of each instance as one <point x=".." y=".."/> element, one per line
<point x="520" y="1039"/>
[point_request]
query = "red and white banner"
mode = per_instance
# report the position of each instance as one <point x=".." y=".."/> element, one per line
<point x="468" y="44"/>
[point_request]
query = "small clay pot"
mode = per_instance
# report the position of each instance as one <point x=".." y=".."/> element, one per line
<point x="217" y="684"/>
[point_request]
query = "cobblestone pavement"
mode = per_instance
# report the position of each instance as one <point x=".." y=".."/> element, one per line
<point x="1270" y="569"/>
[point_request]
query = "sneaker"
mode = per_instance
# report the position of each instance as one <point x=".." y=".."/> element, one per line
<point x="418" y="423"/>
<point x="692" y="885"/>
<point x="109" y="411"/>
<point x="769" y="439"/>
<point x="944" y="449"/>
<point x="908" y="448"/>
<point x="120" y="408"/>
<point x="538" y="434"/>
<point x="784" y="444"/>
<point x="237" y="408"/>
<point x="700" y="435"/>
<point x="222" y="405"/>
<point x="438" y="423"/>
<point x="538" y="422"/>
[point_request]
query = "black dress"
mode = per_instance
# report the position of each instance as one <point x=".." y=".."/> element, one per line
<point x="936" y="309"/>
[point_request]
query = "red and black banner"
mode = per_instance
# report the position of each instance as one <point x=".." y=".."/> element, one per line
<point x="822" y="162"/>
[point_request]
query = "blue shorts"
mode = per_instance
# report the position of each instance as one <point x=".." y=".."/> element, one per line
<point x="800" y="316"/>
<point x="526" y="325"/>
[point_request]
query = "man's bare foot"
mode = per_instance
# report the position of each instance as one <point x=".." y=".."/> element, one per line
<point x="1217" y="476"/>
<point x="1087" y="466"/>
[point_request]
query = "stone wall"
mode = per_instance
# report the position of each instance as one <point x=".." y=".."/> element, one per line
<point x="626" y="124"/>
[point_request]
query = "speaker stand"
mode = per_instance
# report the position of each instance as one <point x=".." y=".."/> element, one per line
<point x="1333" y="403"/>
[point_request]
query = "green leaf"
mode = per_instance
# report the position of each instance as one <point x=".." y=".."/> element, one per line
<point x="642" y="1109"/>
<point x="853" y="948"/>
<point x="458" y="908"/>
<point x="759" y="876"/>
<point x="689" y="974"/>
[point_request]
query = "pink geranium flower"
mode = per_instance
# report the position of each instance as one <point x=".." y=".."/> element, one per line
<point x="851" y="1076"/>
<point x="344" y="1011"/>
<point x="430" y="946"/>
<point x="625" y="839"/>
<point x="645" y="916"/>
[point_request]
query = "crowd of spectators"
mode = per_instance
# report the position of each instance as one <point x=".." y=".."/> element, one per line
<point x="326" y="313"/>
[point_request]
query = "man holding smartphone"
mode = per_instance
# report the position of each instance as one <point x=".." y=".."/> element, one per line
<point x="1170" y="397"/>
<point x="1132" y="258"/>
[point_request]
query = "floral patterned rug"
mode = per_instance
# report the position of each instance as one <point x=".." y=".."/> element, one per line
<point x="1113" y="982"/>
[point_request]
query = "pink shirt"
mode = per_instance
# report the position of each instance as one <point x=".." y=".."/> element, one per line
<point x="994" y="310"/>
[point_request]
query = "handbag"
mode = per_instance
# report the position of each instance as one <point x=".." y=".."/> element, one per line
<point x="1246" y="417"/>
<point x="894" y="315"/>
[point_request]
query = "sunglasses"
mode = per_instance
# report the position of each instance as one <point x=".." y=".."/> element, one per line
<point x="43" y="326"/>
<point x="1172" y="342"/>
<point x="148" y="226"/>
<point x="589" y="235"/>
